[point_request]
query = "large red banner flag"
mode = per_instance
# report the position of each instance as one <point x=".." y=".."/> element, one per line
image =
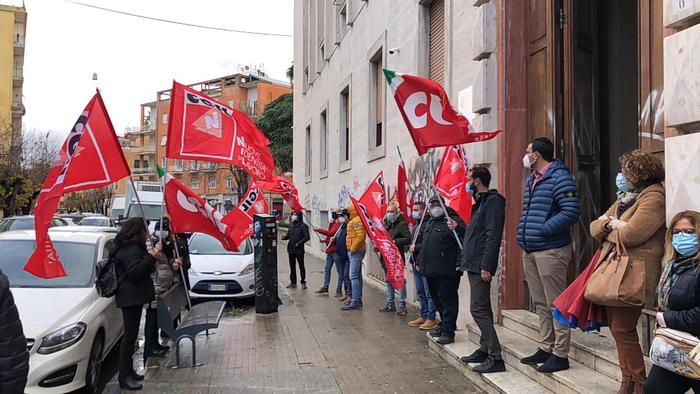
<point x="241" y="218"/>
<point x="201" y="128"/>
<point x="403" y="194"/>
<point x="284" y="188"/>
<point x="91" y="157"/>
<point x="430" y="118"/>
<point x="451" y="181"/>
<point x="376" y="191"/>
<point x="189" y="213"/>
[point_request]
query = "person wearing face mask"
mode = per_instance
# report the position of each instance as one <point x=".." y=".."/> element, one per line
<point x="550" y="207"/>
<point x="342" y="252"/>
<point x="638" y="219"/>
<point x="395" y="224"/>
<point x="426" y="319"/>
<point x="331" y="255"/>
<point x="678" y="295"/>
<point x="480" y="251"/>
<point x="356" y="243"/>
<point x="439" y="251"/>
<point x="297" y="235"/>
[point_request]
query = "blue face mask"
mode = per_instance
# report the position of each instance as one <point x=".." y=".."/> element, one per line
<point x="622" y="183"/>
<point x="685" y="244"/>
<point x="389" y="216"/>
<point x="416" y="215"/>
<point x="471" y="189"/>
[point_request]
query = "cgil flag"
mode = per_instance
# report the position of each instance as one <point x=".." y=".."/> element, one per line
<point x="91" y="157"/>
<point x="253" y="202"/>
<point x="430" y="118"/>
<point x="403" y="194"/>
<point x="451" y="181"/>
<point x="284" y="188"/>
<point x="201" y="128"/>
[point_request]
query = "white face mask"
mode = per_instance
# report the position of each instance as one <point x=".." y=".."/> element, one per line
<point x="161" y="234"/>
<point x="527" y="163"/>
<point x="294" y="218"/>
<point x="436" y="212"/>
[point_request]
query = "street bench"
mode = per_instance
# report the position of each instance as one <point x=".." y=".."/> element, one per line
<point x="202" y="317"/>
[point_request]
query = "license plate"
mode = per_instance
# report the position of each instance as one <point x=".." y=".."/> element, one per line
<point x="217" y="287"/>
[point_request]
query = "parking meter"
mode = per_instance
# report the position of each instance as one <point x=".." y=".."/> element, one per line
<point x="265" y="247"/>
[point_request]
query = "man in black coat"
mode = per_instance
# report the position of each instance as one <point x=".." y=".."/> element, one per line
<point x="437" y="261"/>
<point x="297" y="235"/>
<point x="14" y="358"/>
<point x="480" y="251"/>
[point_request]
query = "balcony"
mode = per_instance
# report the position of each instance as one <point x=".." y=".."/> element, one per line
<point x="143" y="150"/>
<point x="18" y="44"/>
<point x="17" y="77"/>
<point x="144" y="171"/>
<point x="176" y="170"/>
<point x="211" y="168"/>
<point x="194" y="169"/>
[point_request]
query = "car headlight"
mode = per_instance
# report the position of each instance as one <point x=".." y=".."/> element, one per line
<point x="192" y="272"/>
<point x="61" y="339"/>
<point x="248" y="269"/>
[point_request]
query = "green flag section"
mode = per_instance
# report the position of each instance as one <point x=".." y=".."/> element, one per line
<point x="161" y="171"/>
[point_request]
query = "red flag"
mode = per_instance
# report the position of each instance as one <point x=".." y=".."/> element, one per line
<point x="451" y="181"/>
<point x="201" y="128"/>
<point x="286" y="189"/>
<point x="376" y="192"/>
<point x="190" y="213"/>
<point x="91" y="157"/>
<point x="403" y="194"/>
<point x="253" y="202"/>
<point x="428" y="114"/>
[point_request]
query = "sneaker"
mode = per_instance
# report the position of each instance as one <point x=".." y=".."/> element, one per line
<point x="351" y="306"/>
<point x="554" y="364"/>
<point x="303" y="286"/>
<point x="477" y="357"/>
<point x="401" y="311"/>
<point x="445" y="340"/>
<point x="490" y="366"/>
<point x="436" y="333"/>
<point x="322" y="290"/>
<point x="538" y="358"/>
<point x="429" y="325"/>
<point x="292" y="286"/>
<point x="417" y="323"/>
<point x="388" y="308"/>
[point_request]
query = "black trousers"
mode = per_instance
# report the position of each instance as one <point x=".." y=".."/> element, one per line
<point x="480" y="307"/>
<point x="446" y="300"/>
<point x="132" y="319"/>
<point x="293" y="259"/>
<point x="662" y="381"/>
<point x="150" y="332"/>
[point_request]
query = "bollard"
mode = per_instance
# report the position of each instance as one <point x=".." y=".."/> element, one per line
<point x="265" y="247"/>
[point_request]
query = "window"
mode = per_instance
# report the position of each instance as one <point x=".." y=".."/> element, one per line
<point x="229" y="182"/>
<point x="212" y="182"/>
<point x="376" y="137"/>
<point x="145" y="164"/>
<point x="321" y="56"/>
<point x="164" y="162"/>
<point x="211" y="165"/>
<point x="323" y="149"/>
<point x="341" y="26"/>
<point x="178" y="164"/>
<point x="436" y="41"/>
<point x="137" y="163"/>
<point x="307" y="163"/>
<point x="194" y="165"/>
<point x="163" y="140"/>
<point x="164" y="119"/>
<point x="194" y="182"/>
<point x="345" y="125"/>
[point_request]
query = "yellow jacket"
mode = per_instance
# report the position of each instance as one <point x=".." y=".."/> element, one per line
<point x="355" y="240"/>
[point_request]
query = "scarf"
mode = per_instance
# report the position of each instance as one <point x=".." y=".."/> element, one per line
<point x="626" y="200"/>
<point x="670" y="273"/>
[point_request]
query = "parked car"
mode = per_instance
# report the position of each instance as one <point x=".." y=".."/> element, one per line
<point x="72" y="218"/>
<point x="97" y="221"/>
<point x="218" y="273"/>
<point x="26" y="223"/>
<point x="69" y="328"/>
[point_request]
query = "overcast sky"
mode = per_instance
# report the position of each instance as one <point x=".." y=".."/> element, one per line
<point x="134" y="58"/>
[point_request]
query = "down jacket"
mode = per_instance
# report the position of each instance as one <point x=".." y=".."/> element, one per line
<point x="356" y="238"/>
<point x="549" y="210"/>
<point x="439" y="250"/>
<point x="14" y="358"/>
<point x="683" y="311"/>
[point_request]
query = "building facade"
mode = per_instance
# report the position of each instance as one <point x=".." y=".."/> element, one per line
<point x="599" y="78"/>
<point x="13" y="27"/>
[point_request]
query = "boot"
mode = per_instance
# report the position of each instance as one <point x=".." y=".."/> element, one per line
<point x="417" y="323"/>
<point x="429" y="325"/>
<point x="344" y="299"/>
<point x="129" y="383"/>
<point x="626" y="386"/>
<point x="322" y="290"/>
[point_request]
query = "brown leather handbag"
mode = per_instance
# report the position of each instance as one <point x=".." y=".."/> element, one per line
<point x="618" y="280"/>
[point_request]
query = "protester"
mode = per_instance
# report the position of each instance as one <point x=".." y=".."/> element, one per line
<point x="638" y="218"/>
<point x="357" y="247"/>
<point x="134" y="265"/>
<point x="297" y="235"/>
<point x="14" y="357"/>
<point x="342" y="252"/>
<point x="550" y="207"/>
<point x="331" y="255"/>
<point x="480" y="251"/>
<point x="426" y="319"/>
<point x="439" y="250"/>
<point x="395" y="224"/>
<point x="678" y="297"/>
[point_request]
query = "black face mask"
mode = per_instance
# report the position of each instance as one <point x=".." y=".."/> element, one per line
<point x="334" y="216"/>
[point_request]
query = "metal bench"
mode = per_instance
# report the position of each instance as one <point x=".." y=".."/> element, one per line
<point x="202" y="317"/>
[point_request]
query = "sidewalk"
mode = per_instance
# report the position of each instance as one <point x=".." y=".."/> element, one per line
<point x="310" y="346"/>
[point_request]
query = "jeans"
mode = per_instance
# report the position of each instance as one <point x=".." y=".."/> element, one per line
<point x="293" y="267"/>
<point x="132" y="319"/>
<point x="427" y="307"/>
<point x="391" y="296"/>
<point x="344" y="263"/>
<point x="330" y="260"/>
<point x="356" y="274"/>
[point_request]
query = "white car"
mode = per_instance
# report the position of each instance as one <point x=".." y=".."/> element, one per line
<point x="218" y="273"/>
<point x="69" y="328"/>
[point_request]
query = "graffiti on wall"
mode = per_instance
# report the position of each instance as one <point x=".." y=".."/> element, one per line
<point x="354" y="189"/>
<point x="418" y="178"/>
<point x="314" y="201"/>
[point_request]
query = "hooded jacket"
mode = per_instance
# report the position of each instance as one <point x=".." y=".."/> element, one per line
<point x="297" y="235"/>
<point x="482" y="238"/>
<point x="355" y="240"/>
<point x="14" y="358"/>
<point x="439" y="249"/>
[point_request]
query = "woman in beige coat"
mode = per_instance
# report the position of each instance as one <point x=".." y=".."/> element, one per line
<point x="638" y="216"/>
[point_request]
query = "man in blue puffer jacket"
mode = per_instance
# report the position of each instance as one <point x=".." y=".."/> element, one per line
<point x="550" y="207"/>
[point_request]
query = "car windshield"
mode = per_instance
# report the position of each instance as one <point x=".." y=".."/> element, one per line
<point x="152" y="212"/>
<point x="20" y="224"/>
<point x="95" y="222"/>
<point x="78" y="260"/>
<point x="206" y="244"/>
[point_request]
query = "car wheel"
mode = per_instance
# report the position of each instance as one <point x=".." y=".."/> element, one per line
<point x="92" y="377"/>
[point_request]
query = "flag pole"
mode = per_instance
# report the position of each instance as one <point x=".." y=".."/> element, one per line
<point x="138" y="201"/>
<point x="420" y="224"/>
<point x="307" y="218"/>
<point x="439" y="198"/>
<point x="182" y="269"/>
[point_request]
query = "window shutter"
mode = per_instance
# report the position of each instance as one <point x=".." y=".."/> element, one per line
<point x="380" y="92"/>
<point x="437" y="41"/>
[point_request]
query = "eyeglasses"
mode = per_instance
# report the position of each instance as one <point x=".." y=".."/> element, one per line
<point x="687" y="231"/>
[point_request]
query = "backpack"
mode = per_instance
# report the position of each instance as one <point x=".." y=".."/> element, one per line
<point x="107" y="282"/>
